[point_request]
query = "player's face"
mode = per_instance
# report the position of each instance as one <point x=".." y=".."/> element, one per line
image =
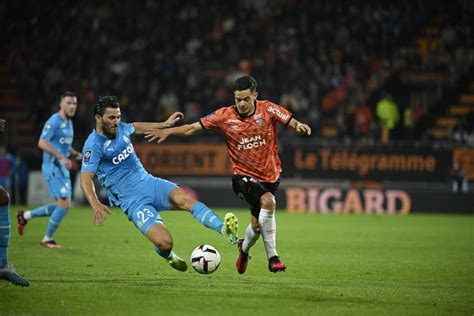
<point x="245" y="101"/>
<point x="68" y="106"/>
<point x="109" y="121"/>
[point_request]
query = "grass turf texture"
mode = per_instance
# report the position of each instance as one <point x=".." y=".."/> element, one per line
<point x="337" y="264"/>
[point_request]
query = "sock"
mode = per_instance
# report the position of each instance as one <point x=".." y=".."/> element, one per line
<point x="45" y="210"/>
<point x="4" y="235"/>
<point x="250" y="239"/>
<point x="168" y="257"/>
<point x="207" y="217"/>
<point x="268" y="230"/>
<point x="54" y="221"/>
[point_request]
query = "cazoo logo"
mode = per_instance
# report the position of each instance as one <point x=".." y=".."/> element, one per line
<point x="123" y="155"/>
<point x="65" y="140"/>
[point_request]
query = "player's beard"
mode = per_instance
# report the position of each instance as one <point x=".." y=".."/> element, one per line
<point x="107" y="130"/>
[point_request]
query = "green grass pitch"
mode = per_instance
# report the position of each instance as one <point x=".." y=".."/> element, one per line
<point x="337" y="264"/>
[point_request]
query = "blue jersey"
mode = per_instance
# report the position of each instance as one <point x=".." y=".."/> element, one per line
<point x="60" y="134"/>
<point x="116" y="164"/>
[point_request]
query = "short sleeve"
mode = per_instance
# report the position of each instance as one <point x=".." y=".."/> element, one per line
<point x="91" y="157"/>
<point x="128" y="128"/>
<point x="279" y="113"/>
<point x="48" y="129"/>
<point x="212" y="121"/>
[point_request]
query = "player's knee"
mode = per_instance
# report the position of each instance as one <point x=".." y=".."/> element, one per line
<point x="4" y="197"/>
<point x="256" y="228"/>
<point x="267" y="201"/>
<point x="183" y="200"/>
<point x="63" y="203"/>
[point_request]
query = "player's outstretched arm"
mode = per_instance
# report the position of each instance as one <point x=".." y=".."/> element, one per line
<point x="142" y="127"/>
<point x="184" y="130"/>
<point x="299" y="128"/>
<point x="99" y="210"/>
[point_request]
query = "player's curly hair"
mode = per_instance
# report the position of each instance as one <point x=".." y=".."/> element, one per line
<point x="106" y="101"/>
<point x="244" y="83"/>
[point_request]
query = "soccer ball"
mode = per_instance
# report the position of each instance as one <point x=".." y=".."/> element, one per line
<point x="205" y="259"/>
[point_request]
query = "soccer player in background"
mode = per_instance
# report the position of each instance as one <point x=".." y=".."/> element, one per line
<point x="7" y="272"/>
<point x="250" y="131"/>
<point x="109" y="154"/>
<point x="55" y="142"/>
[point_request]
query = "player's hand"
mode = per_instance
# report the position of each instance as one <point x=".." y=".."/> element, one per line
<point x="2" y="125"/>
<point x="302" y="128"/>
<point x="66" y="162"/>
<point x="158" y="135"/>
<point x="175" y="117"/>
<point x="99" y="212"/>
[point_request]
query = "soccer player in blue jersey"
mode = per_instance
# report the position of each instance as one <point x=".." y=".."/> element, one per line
<point x="55" y="142"/>
<point x="109" y="154"/>
<point x="7" y="272"/>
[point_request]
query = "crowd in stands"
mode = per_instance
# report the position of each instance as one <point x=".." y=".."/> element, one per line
<point x="327" y="61"/>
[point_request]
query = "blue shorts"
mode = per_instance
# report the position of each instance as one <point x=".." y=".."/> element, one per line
<point x="58" y="181"/>
<point x="143" y="207"/>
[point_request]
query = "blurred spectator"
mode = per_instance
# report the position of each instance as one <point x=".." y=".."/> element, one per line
<point x="387" y="112"/>
<point x="362" y="120"/>
<point x="21" y="181"/>
<point x="459" y="182"/>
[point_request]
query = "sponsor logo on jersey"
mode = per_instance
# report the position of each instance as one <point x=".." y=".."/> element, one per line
<point x="87" y="156"/>
<point x="63" y="125"/>
<point x="123" y="155"/>
<point x="260" y="122"/>
<point x="278" y="113"/>
<point x="247" y="143"/>
<point x="65" y="140"/>
<point x="233" y="120"/>
<point x="107" y="143"/>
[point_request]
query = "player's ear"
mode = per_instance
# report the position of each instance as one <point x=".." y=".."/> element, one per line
<point x="255" y="94"/>
<point x="97" y="117"/>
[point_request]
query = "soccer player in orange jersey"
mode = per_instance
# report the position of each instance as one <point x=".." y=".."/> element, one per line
<point x="250" y="131"/>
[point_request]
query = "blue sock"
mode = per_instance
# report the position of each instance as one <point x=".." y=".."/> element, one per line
<point x="4" y="234"/>
<point x="45" y="210"/>
<point x="55" y="220"/>
<point x="207" y="217"/>
<point x="158" y="251"/>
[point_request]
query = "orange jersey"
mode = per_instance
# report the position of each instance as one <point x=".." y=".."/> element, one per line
<point x="251" y="141"/>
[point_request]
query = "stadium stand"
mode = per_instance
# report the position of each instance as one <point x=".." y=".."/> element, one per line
<point x="325" y="61"/>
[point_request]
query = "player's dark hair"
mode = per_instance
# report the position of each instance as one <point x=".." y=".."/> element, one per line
<point x="67" y="94"/>
<point x="244" y="83"/>
<point x="106" y="101"/>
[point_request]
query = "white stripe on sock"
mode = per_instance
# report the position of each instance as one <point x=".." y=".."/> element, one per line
<point x="202" y="220"/>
